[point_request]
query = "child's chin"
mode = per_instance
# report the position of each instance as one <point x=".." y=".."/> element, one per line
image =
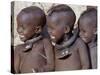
<point x="23" y="39"/>
<point x="85" y="40"/>
<point x="54" y="40"/>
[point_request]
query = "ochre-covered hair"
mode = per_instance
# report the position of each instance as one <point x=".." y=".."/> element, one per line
<point x="37" y="12"/>
<point x="63" y="8"/>
<point x="91" y="14"/>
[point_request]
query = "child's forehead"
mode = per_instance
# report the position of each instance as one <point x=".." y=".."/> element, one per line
<point x="63" y="13"/>
<point x="60" y="15"/>
<point x="86" y="21"/>
<point x="89" y="17"/>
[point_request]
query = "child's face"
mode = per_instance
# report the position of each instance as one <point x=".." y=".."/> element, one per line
<point x="25" y="26"/>
<point x="56" y="26"/>
<point x="86" y="30"/>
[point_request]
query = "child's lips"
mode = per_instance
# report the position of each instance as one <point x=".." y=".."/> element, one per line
<point x="52" y="37"/>
<point x="84" y="38"/>
<point x="21" y="36"/>
<point x="53" y="40"/>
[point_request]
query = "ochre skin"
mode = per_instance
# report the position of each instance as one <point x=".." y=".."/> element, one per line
<point x="26" y="62"/>
<point x="58" y="26"/>
<point x="88" y="25"/>
<point x="88" y="32"/>
<point x="76" y="61"/>
<point x="30" y="24"/>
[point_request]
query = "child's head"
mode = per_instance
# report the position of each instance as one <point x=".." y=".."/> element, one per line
<point x="30" y="22"/>
<point x="91" y="7"/>
<point x="88" y="25"/>
<point x="60" y="21"/>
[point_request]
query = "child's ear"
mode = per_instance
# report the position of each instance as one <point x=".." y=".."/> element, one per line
<point x="38" y="29"/>
<point x="67" y="29"/>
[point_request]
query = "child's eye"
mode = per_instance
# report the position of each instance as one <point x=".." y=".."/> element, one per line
<point x="50" y="28"/>
<point x="23" y="27"/>
<point x="83" y="31"/>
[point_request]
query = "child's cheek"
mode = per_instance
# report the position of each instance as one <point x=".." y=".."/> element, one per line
<point x="59" y="33"/>
<point x="87" y="37"/>
<point x="27" y="34"/>
<point x="83" y="36"/>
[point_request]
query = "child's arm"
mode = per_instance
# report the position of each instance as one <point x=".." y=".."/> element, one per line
<point x="16" y="59"/>
<point x="49" y="56"/>
<point x="84" y="57"/>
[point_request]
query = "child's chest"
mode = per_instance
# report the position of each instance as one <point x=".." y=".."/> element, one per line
<point x="66" y="52"/>
<point x="33" y="59"/>
<point x="68" y="61"/>
<point x="36" y="50"/>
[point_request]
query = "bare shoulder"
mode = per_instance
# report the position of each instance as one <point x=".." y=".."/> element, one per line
<point x="47" y="44"/>
<point x="19" y="48"/>
<point x="80" y="43"/>
<point x="46" y="41"/>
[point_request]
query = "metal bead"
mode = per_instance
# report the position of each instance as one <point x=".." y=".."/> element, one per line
<point x="27" y="47"/>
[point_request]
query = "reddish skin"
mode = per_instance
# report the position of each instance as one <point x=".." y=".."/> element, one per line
<point x="79" y="57"/>
<point x="87" y="29"/>
<point x="26" y="25"/>
<point x="78" y="60"/>
<point x="56" y="25"/>
<point x="24" y="62"/>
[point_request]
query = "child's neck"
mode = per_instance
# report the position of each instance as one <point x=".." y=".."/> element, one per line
<point x="34" y="39"/>
<point x="66" y="37"/>
<point x="94" y="41"/>
<point x="29" y="43"/>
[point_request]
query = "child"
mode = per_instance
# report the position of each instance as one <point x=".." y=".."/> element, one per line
<point x="36" y="54"/>
<point x="88" y="32"/>
<point x="70" y="51"/>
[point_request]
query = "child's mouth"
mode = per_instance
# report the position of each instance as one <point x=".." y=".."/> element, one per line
<point x="84" y="39"/>
<point x="22" y="37"/>
<point x="52" y="38"/>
